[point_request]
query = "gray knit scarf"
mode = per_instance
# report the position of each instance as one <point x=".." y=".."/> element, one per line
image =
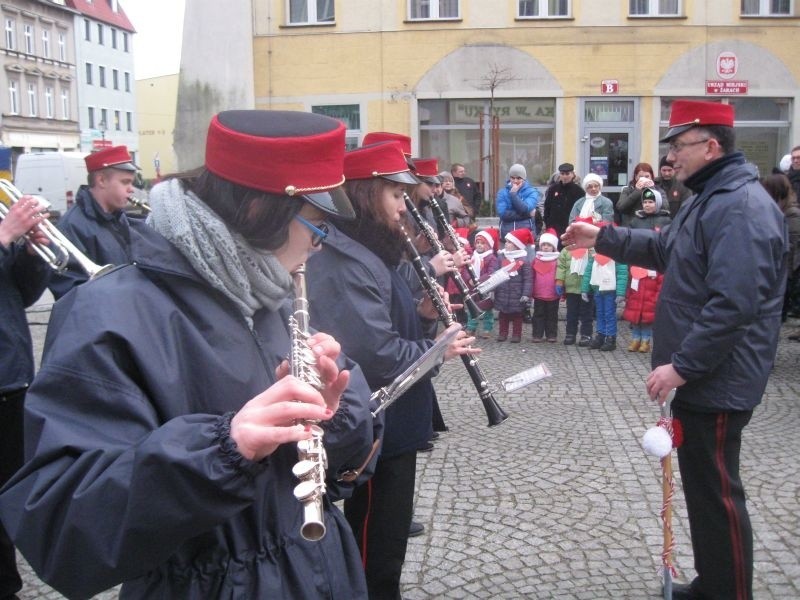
<point x="251" y="278"/>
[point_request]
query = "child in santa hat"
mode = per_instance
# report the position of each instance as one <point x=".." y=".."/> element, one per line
<point x="484" y="263"/>
<point x="545" y="297"/>
<point x="512" y="297"/>
<point x="607" y="279"/>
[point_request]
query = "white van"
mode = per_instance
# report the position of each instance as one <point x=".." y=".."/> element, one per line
<point x="56" y="176"/>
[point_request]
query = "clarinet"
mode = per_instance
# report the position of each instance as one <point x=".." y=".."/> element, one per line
<point x="494" y="412"/>
<point x="313" y="461"/>
<point x="438" y="214"/>
<point x="474" y="311"/>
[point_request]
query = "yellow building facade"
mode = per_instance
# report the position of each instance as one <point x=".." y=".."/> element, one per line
<point x="576" y="81"/>
<point x="156" y="99"/>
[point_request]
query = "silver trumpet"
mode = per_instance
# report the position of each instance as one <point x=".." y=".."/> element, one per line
<point x="313" y="463"/>
<point x="57" y="253"/>
<point x="137" y="202"/>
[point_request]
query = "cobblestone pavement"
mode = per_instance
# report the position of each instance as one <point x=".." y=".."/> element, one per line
<point x="560" y="501"/>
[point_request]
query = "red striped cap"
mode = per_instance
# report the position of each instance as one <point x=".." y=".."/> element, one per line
<point x="686" y="114"/>
<point x="427" y="169"/>
<point x="384" y="159"/>
<point x="374" y="137"/>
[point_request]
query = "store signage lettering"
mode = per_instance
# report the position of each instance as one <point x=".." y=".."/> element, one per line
<point x="541" y="111"/>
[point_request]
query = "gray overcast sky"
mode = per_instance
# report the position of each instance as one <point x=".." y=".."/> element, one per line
<point x="159" y="30"/>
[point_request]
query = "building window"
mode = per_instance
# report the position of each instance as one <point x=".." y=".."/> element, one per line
<point x="766" y="8"/>
<point x="115" y="79"/>
<point x="11" y="37"/>
<point x="45" y="43"/>
<point x="100" y="33"/>
<point x="65" y="105"/>
<point x="655" y="8"/>
<point x="451" y="130"/>
<point x="125" y="42"/>
<point x="103" y="118"/>
<point x="87" y="30"/>
<point x="91" y="117"/>
<point x="127" y="82"/>
<point x="544" y="8"/>
<point x="433" y="9"/>
<point x="13" y="98"/>
<point x="129" y="120"/>
<point x="33" y="108"/>
<point x="762" y="127"/>
<point x="48" y="103"/>
<point x="28" y="33"/>
<point x="305" y="12"/>
<point x="88" y="73"/>
<point x="101" y="76"/>
<point x="349" y="115"/>
<point x="62" y="47"/>
<point x="114" y="38"/>
<point x="117" y="120"/>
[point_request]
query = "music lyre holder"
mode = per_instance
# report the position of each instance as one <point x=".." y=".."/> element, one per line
<point x="433" y="357"/>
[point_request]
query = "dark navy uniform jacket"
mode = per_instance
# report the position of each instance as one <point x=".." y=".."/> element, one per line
<point x="23" y="278"/>
<point x="103" y="237"/>
<point x="724" y="261"/>
<point x="132" y="475"/>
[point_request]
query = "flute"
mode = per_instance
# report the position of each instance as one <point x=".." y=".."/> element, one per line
<point x="313" y="463"/>
<point x="474" y="311"/>
<point x="494" y="412"/>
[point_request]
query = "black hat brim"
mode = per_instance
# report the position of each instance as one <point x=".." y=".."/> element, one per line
<point x="675" y="131"/>
<point x="402" y="177"/>
<point x="431" y="180"/>
<point x="333" y="202"/>
<point x="128" y="166"/>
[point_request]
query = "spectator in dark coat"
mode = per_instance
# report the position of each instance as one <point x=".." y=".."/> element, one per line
<point x="630" y="198"/>
<point x="469" y="190"/>
<point x="675" y="192"/>
<point x="794" y="171"/>
<point x="716" y="328"/>
<point x="23" y="278"/>
<point x="559" y="199"/>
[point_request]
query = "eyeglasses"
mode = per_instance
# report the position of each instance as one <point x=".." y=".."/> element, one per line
<point x="317" y="233"/>
<point x="676" y="147"/>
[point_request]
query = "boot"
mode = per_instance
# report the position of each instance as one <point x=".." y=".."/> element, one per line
<point x="569" y="340"/>
<point x="586" y="341"/>
<point x="634" y="345"/>
<point x="598" y="341"/>
<point x="609" y="344"/>
<point x="645" y="347"/>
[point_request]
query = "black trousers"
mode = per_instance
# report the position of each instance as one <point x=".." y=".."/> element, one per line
<point x="578" y="310"/>
<point x="379" y="513"/>
<point x="11" y="459"/>
<point x="722" y="538"/>
<point x="545" y="319"/>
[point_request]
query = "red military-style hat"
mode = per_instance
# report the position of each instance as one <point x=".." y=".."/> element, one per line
<point x="686" y="114"/>
<point x="281" y="152"/>
<point x="116" y="157"/>
<point x="384" y="159"/>
<point x="427" y="169"/>
<point x="373" y="137"/>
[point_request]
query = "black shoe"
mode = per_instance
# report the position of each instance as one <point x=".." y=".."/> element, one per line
<point x="426" y="448"/>
<point x="683" y="591"/>
<point x="609" y="344"/>
<point x="416" y="529"/>
<point x="569" y="340"/>
<point x="598" y="341"/>
<point x="586" y="341"/>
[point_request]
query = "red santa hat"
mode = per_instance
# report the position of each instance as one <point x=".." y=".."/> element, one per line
<point x="549" y="237"/>
<point x="521" y="238"/>
<point x="491" y="236"/>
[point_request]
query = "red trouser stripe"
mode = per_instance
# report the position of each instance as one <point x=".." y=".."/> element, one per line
<point x="365" y="527"/>
<point x="730" y="509"/>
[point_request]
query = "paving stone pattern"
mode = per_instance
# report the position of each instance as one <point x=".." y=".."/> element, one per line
<point x="560" y="501"/>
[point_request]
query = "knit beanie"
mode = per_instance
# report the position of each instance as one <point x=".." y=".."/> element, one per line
<point x="592" y="177"/>
<point x="786" y="163"/>
<point x="651" y="194"/>
<point x="517" y="170"/>
<point x="521" y="238"/>
<point x="548" y="238"/>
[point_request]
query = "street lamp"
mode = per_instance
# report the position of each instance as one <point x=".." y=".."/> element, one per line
<point x="102" y="127"/>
